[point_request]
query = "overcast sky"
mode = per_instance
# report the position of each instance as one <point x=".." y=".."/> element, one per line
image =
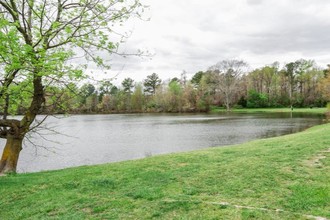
<point x="193" y="35"/>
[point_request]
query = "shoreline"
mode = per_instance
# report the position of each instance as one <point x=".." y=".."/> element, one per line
<point x="317" y="110"/>
<point x="285" y="177"/>
<point x="288" y="173"/>
<point x="139" y="158"/>
<point x="182" y="152"/>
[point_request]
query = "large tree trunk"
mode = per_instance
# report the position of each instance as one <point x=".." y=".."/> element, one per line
<point x="8" y="162"/>
<point x="18" y="129"/>
<point x="227" y="102"/>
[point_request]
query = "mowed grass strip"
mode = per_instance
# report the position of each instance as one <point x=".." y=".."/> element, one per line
<point x="286" y="177"/>
<point x="274" y="110"/>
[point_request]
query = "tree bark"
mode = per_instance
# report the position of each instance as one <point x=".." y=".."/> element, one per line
<point x="18" y="129"/>
<point x="227" y="103"/>
<point x="9" y="159"/>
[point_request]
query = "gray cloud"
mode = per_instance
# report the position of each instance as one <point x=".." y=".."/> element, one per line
<point x="196" y="34"/>
<point x="254" y="2"/>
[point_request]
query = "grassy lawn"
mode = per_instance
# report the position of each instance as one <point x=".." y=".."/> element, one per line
<point x="256" y="110"/>
<point x="278" y="178"/>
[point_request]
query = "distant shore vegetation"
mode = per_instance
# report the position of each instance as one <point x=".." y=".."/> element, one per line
<point x="227" y="84"/>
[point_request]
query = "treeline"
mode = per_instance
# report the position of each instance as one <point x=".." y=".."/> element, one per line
<point x="227" y="84"/>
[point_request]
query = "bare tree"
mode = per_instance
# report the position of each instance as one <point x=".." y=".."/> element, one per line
<point x="227" y="74"/>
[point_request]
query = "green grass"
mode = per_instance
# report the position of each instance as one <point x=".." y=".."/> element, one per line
<point x="257" y="110"/>
<point x="247" y="181"/>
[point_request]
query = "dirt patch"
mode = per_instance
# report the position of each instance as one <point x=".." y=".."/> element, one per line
<point x="316" y="161"/>
<point x="182" y="164"/>
<point x="287" y="170"/>
<point x="226" y="204"/>
<point x="87" y="210"/>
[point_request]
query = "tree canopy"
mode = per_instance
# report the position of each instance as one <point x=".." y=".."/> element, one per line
<point x="151" y="83"/>
<point x="39" y="40"/>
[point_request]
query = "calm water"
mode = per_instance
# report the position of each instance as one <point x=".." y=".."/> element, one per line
<point x="94" y="139"/>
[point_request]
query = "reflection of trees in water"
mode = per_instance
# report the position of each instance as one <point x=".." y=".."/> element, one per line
<point x="273" y="133"/>
<point x="292" y="128"/>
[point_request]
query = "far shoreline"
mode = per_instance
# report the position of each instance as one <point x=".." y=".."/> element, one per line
<point x="314" y="110"/>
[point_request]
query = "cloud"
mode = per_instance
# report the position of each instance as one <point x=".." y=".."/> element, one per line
<point x="254" y="2"/>
<point x="196" y="34"/>
<point x="284" y="30"/>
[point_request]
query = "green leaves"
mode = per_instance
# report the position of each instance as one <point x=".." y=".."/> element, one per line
<point x="151" y="83"/>
<point x="35" y="44"/>
<point x="128" y="85"/>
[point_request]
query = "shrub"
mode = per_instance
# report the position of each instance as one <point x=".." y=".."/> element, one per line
<point x="256" y="99"/>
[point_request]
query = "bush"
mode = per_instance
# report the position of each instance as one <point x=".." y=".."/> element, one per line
<point x="242" y="102"/>
<point x="257" y="100"/>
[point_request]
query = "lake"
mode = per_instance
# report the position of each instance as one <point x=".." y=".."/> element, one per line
<point x="95" y="139"/>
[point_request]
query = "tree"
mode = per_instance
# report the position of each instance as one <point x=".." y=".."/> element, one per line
<point x="189" y="98"/>
<point x="294" y="72"/>
<point x="106" y="103"/>
<point x="137" y="101"/>
<point x="196" y="79"/>
<point x="264" y="81"/>
<point x="60" y="100"/>
<point x="176" y="79"/>
<point x="309" y="93"/>
<point x="327" y="71"/>
<point x="151" y="83"/>
<point x="183" y="79"/>
<point x="205" y="89"/>
<point x="38" y="41"/>
<point x="256" y="99"/>
<point x="128" y="85"/>
<point x="85" y="91"/>
<point x="106" y="88"/>
<point x="174" y="97"/>
<point x="91" y="103"/>
<point x="227" y="73"/>
<point x="324" y="87"/>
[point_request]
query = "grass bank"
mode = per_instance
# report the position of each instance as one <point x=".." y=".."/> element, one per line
<point x="286" y="177"/>
<point x="257" y="110"/>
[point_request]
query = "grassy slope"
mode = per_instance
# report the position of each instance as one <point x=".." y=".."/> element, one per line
<point x="291" y="173"/>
